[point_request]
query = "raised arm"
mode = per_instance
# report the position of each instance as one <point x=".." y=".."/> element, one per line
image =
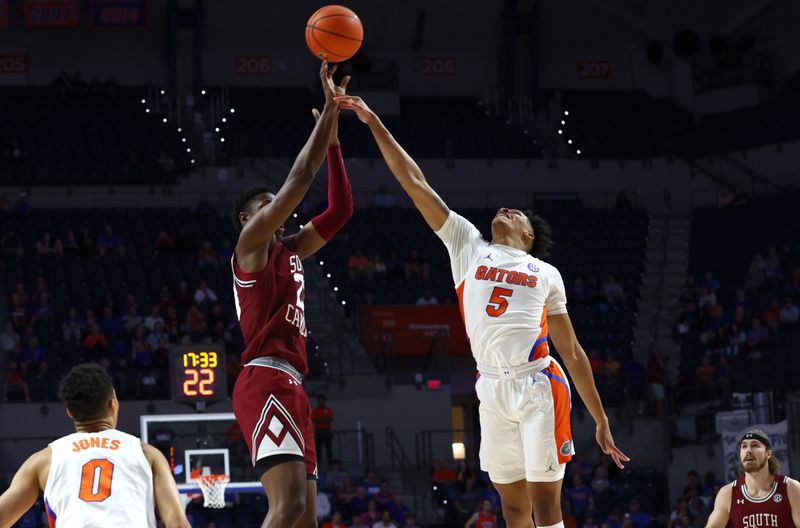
<point x="404" y="168"/>
<point x="322" y="227"/>
<point x="258" y="231"/>
<point x="168" y="501"/>
<point x="722" y="509"/>
<point x="24" y="489"/>
<point x="566" y="342"/>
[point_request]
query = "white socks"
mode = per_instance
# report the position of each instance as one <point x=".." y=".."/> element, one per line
<point x="557" y="525"/>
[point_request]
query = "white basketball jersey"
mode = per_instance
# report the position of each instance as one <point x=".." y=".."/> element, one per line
<point x="99" y="480"/>
<point x="505" y="296"/>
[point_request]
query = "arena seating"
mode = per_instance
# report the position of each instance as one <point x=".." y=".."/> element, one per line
<point x="726" y="243"/>
<point x="84" y="139"/>
<point x="276" y="121"/>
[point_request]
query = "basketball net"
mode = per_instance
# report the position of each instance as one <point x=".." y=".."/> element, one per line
<point x="213" y="487"/>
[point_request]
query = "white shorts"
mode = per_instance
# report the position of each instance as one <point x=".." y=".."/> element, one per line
<point x="525" y="429"/>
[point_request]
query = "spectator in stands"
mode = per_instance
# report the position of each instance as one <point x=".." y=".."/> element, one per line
<point x="15" y="385"/>
<point x="578" y="292"/>
<point x="399" y="510"/>
<point x="467" y="500"/>
<point x="9" y="339"/>
<point x="86" y="242"/>
<point x="11" y="245"/>
<point x="183" y="298"/>
<point x="89" y="320"/>
<point x="33" y="354"/>
<point x="385" y="521"/>
<point x="22" y="207"/>
<point x="95" y="341"/>
<point x="580" y="496"/>
<point x="596" y="362"/>
<point x="155" y="317"/>
<point x="417" y="266"/>
<point x="360" y="502"/>
<point x="693" y="484"/>
<point x="222" y="205"/>
<point x="43" y="308"/>
<point x="596" y="295"/>
<point x="336" y="476"/>
<point x="322" y="417"/>
<point x="164" y="243"/>
<point x="139" y="347"/>
<point x="323" y="505"/>
<point x="772" y="315"/>
<point x="111" y="324"/>
<point x="757" y="339"/>
<point x="204" y="295"/>
<point x="204" y="207"/>
<point x="411" y="521"/>
<point x="20" y="300"/>
<point x="196" y="324"/>
<point x="132" y="319"/>
<point x="207" y="256"/>
<point x="427" y="299"/>
<point x="640" y="519"/>
<point x="372" y="515"/>
<point x="591" y="521"/>
<point x="184" y="243"/>
<point x="789" y="313"/>
<point x="743" y="301"/>
<point x="384" y="498"/>
<point x="755" y="275"/>
<point x="698" y="511"/>
<point x="378" y="267"/>
<point x="711" y="283"/>
<point x="443" y="474"/>
<point x="108" y="241"/>
<point x="71" y="246"/>
<point x="383" y="198"/>
<point x="600" y="484"/>
<point x="611" y="367"/>
<point x="335" y="522"/>
<point x="705" y="372"/>
<point x="49" y="244"/>
<point x="613" y="291"/>
<point x="359" y="266"/>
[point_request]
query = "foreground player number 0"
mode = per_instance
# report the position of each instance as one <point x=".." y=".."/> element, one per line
<point x="498" y="303"/>
<point x="96" y="480"/>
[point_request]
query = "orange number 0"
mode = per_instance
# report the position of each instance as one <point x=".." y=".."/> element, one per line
<point x="96" y="480"/>
<point x="498" y="304"/>
<point x="201" y="384"/>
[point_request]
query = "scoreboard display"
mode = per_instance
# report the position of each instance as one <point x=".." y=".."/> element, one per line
<point x="198" y="373"/>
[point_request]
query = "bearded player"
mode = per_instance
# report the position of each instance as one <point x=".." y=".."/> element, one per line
<point x="761" y="496"/>
<point x="269" y="401"/>
<point x="511" y="302"/>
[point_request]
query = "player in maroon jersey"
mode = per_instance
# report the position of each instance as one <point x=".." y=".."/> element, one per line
<point x="761" y="497"/>
<point x="269" y="401"/>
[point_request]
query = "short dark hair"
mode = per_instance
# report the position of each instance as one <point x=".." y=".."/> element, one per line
<point x="85" y="390"/>
<point x="542" y="235"/>
<point x="243" y="201"/>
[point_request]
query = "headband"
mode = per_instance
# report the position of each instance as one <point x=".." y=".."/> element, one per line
<point x="756" y="436"/>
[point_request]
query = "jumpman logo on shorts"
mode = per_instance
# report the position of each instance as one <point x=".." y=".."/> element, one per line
<point x="549" y="469"/>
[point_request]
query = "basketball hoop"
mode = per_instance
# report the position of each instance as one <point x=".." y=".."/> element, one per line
<point x="213" y="487"/>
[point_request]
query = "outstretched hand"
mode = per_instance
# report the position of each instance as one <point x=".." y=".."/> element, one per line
<point x="606" y="442"/>
<point x="357" y="105"/>
<point x="339" y="90"/>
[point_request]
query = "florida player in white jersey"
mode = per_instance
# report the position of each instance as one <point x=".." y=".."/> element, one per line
<point x="511" y="302"/>
<point x="98" y="476"/>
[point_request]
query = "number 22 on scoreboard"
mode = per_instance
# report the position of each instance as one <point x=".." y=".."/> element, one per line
<point x="197" y="382"/>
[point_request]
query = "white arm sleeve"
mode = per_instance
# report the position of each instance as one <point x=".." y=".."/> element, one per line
<point x="462" y="239"/>
<point x="556" y="296"/>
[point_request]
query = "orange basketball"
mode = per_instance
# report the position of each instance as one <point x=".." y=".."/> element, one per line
<point x="334" y="33"/>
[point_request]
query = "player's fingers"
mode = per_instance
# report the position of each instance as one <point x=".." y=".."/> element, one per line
<point x="617" y="461"/>
<point x="332" y="70"/>
<point x="323" y="69"/>
<point x="344" y="82"/>
<point x="620" y="454"/>
<point x="315" y="113"/>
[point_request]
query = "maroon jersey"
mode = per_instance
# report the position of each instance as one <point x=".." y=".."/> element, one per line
<point x="772" y="510"/>
<point x="270" y="308"/>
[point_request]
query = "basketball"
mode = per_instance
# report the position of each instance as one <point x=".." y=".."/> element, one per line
<point x="334" y="33"/>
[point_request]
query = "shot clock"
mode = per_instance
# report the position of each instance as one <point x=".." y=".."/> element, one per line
<point x="198" y="373"/>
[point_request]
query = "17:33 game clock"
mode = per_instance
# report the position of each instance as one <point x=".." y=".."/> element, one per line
<point x="198" y="373"/>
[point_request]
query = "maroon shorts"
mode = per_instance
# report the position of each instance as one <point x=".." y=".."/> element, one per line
<point x="274" y="414"/>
